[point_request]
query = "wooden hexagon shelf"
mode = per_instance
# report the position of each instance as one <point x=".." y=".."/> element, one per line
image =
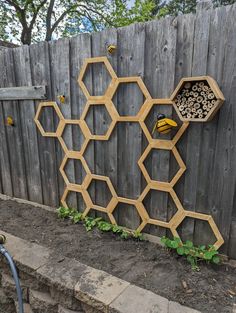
<point x="204" y="87"/>
<point x="197" y="99"/>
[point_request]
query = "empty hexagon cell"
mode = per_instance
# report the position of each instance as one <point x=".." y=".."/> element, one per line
<point x="131" y="219"/>
<point x="206" y="231"/>
<point x="197" y="99"/>
<point x="100" y="119"/>
<point x="73" y="199"/>
<point x="95" y="77"/>
<point x="49" y="119"/>
<point x="74" y="171"/>
<point x="104" y="190"/>
<point x="129" y="95"/>
<point x="72" y="138"/>
<point x="153" y="166"/>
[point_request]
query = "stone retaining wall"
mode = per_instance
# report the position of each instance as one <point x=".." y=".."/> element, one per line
<point x="52" y="283"/>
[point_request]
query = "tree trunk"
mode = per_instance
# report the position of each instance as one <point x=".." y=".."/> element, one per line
<point x="26" y="36"/>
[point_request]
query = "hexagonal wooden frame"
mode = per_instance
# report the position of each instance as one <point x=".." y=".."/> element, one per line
<point x="112" y="113"/>
<point x="109" y="68"/>
<point x="214" y="88"/>
<point x="106" y="100"/>
<point x="60" y="126"/>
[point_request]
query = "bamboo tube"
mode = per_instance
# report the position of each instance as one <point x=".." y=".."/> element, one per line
<point x="205" y="88"/>
<point x="211" y="95"/>
<point x="181" y="108"/>
<point x="196" y="105"/>
<point x="200" y="116"/>
<point x="210" y="105"/>
<point x="187" y="94"/>
<point x="199" y="111"/>
<point x="205" y="112"/>
<point x="187" y="85"/>
<point x="201" y="84"/>
<point x="194" y="110"/>
<point x="204" y="102"/>
<point x="189" y="115"/>
<point x="179" y="97"/>
<point x="194" y="88"/>
<point x="199" y="99"/>
<point x="187" y="110"/>
<point x="183" y="112"/>
<point x="213" y="102"/>
<point x="191" y="93"/>
<point x="195" y="94"/>
<point x="204" y="107"/>
<point x="191" y="104"/>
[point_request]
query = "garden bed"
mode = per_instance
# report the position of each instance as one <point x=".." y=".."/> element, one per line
<point x="145" y="264"/>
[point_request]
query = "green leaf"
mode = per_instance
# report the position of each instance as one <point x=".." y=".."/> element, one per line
<point x="216" y="259"/>
<point x="180" y="250"/>
<point x="174" y="244"/>
<point x="189" y="244"/>
<point x="208" y="255"/>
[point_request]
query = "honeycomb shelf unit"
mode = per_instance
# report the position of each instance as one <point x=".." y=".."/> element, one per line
<point x="106" y="101"/>
<point x="197" y="99"/>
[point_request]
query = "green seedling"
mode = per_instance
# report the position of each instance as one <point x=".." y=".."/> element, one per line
<point x="193" y="254"/>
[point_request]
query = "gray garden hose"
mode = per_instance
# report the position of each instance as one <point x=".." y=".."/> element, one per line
<point x="4" y="252"/>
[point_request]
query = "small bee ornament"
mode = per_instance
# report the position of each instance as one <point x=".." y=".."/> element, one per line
<point x="61" y="98"/>
<point x="163" y="125"/>
<point x="10" y="121"/>
<point x="111" y="49"/>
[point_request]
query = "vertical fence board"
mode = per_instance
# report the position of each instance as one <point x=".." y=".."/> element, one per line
<point x="160" y="50"/>
<point x="28" y="127"/>
<point x="105" y="156"/>
<point x="80" y="48"/>
<point x="40" y="71"/>
<point x="224" y="168"/>
<point x="14" y="133"/>
<point x="199" y="67"/>
<point x="131" y="43"/>
<point x="209" y="130"/>
<point x="6" y="174"/>
<point x="60" y="84"/>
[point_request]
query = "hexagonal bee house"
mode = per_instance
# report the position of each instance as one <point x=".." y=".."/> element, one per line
<point x="197" y="99"/>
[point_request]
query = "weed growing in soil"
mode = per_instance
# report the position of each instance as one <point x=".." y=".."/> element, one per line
<point x="90" y="223"/>
<point x="194" y="254"/>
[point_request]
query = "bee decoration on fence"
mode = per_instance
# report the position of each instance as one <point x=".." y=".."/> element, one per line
<point x="61" y="98"/>
<point x="111" y="49"/>
<point x="163" y="125"/>
<point x="10" y="121"/>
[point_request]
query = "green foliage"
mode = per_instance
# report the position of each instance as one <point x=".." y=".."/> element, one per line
<point x="90" y="223"/>
<point x="194" y="254"/>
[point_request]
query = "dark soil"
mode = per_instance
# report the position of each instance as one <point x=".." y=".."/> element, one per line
<point x="142" y="263"/>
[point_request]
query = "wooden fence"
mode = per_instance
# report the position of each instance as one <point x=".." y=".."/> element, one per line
<point x="161" y="52"/>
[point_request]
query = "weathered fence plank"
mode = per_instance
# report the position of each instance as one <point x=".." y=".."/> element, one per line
<point x="14" y="133"/>
<point x="160" y="51"/>
<point x="23" y="93"/>
<point x="29" y="132"/>
<point x="199" y="67"/>
<point x="130" y="44"/>
<point x="105" y="158"/>
<point x="60" y="84"/>
<point x="80" y="48"/>
<point x="6" y="175"/>
<point x="40" y="71"/>
<point x="183" y="68"/>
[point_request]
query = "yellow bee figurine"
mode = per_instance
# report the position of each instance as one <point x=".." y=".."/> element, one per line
<point x="10" y="121"/>
<point x="163" y="125"/>
<point x="61" y="98"/>
<point x="111" y="49"/>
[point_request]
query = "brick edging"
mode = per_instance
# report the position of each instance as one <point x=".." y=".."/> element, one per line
<point x="97" y="289"/>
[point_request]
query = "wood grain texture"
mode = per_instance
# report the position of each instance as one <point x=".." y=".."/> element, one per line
<point x="22" y="70"/>
<point x="40" y="72"/>
<point x="14" y="133"/>
<point x="23" y="93"/>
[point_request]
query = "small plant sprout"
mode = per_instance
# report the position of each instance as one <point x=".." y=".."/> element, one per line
<point x="193" y="254"/>
<point x="91" y="223"/>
